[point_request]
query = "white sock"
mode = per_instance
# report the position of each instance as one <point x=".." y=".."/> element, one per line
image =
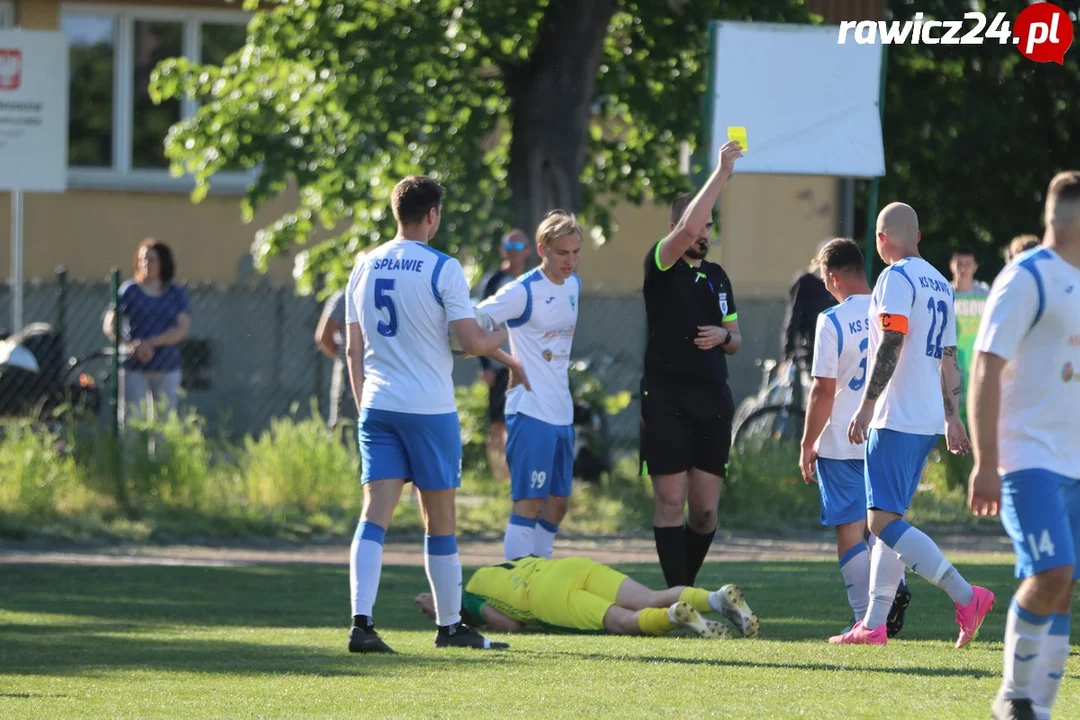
<point x="365" y="566"/>
<point x="922" y="555"/>
<point x="886" y="567"/>
<point x="1024" y="635"/>
<point x="545" y="538"/>
<point x="519" y="539"/>
<point x="855" y="569"/>
<point x="444" y="575"/>
<point x="1050" y="666"/>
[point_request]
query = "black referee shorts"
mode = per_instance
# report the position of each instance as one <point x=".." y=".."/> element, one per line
<point x="685" y="426"/>
<point x="497" y="396"/>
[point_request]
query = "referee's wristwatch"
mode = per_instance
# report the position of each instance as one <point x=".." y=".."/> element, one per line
<point x="727" y="339"/>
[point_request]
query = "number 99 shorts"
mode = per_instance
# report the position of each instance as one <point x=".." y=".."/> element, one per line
<point x="540" y="456"/>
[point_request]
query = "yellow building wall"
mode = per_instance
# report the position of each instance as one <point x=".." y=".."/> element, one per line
<point x="769" y="224"/>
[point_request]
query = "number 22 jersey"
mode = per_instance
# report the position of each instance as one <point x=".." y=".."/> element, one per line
<point x="912" y="297"/>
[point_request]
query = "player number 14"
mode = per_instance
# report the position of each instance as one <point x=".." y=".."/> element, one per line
<point x="1045" y="546"/>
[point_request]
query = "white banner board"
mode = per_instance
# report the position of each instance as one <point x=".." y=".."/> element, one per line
<point x="33" y="110"/>
<point x="810" y="106"/>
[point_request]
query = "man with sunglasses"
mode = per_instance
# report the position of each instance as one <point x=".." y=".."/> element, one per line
<point x="514" y="249"/>
<point x="686" y="404"/>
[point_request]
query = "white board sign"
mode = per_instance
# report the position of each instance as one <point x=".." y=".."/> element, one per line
<point x="33" y="110"/>
<point x="810" y="106"/>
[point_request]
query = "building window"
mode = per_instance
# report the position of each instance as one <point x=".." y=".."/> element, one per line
<point x="116" y="134"/>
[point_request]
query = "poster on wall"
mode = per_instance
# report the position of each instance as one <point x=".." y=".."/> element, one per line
<point x="33" y="111"/>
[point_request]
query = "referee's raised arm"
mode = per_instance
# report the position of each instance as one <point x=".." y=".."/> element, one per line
<point x="699" y="212"/>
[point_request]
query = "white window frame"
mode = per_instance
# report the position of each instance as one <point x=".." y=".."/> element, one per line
<point x="122" y="176"/>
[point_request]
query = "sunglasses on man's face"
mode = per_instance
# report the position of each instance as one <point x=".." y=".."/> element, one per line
<point x="514" y="246"/>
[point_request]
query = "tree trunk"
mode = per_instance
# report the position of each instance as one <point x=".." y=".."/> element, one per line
<point x="551" y="105"/>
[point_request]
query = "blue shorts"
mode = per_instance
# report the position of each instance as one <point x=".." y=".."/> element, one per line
<point x="541" y="457"/>
<point x="425" y="449"/>
<point x="1040" y="511"/>
<point x="843" y="491"/>
<point x="894" y="465"/>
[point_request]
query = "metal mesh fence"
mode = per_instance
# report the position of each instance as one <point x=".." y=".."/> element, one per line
<point x="250" y="355"/>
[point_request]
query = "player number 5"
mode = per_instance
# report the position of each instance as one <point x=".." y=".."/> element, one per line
<point x="383" y="301"/>
<point x="1045" y="546"/>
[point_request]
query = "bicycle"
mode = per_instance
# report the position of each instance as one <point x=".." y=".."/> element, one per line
<point x="777" y="416"/>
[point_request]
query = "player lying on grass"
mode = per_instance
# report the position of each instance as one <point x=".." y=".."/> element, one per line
<point x="577" y="595"/>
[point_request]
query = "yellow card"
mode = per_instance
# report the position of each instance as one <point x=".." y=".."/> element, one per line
<point x="738" y="134"/>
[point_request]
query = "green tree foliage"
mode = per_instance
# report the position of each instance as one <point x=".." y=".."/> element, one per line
<point x="973" y="134"/>
<point x="516" y="106"/>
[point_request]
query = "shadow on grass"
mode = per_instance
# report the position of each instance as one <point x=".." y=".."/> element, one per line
<point x="38" y="650"/>
<point x="758" y="664"/>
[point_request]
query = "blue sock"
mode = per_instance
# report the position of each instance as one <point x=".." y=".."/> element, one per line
<point x="365" y="566"/>
<point x="444" y="575"/>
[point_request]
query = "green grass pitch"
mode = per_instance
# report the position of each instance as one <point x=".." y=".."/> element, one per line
<point x="270" y="641"/>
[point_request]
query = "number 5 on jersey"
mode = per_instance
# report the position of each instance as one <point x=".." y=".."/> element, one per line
<point x="383" y="301"/>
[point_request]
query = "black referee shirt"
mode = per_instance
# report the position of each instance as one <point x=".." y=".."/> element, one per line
<point x="677" y="301"/>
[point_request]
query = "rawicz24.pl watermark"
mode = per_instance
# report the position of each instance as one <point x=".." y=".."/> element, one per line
<point x="1042" y="32"/>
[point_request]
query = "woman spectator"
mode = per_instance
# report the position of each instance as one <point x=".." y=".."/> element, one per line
<point x="154" y="318"/>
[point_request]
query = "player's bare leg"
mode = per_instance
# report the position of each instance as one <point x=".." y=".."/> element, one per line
<point x="365" y="566"/>
<point x="496" y="451"/>
<point x="443" y="567"/>
<point x="703" y="497"/>
<point x="669" y="525"/>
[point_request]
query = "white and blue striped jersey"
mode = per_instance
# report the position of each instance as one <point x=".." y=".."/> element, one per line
<point x="840" y="352"/>
<point x="404" y="294"/>
<point x="541" y="317"/>
<point x="1032" y="321"/>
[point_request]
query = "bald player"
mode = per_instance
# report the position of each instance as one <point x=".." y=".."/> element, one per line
<point x="910" y="399"/>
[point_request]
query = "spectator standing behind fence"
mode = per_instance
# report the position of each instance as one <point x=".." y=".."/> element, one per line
<point x="514" y="249"/>
<point x="330" y="339"/>
<point x="154" y="318"/>
<point x="807" y="298"/>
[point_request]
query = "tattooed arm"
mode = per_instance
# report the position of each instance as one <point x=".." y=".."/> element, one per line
<point x="956" y="438"/>
<point x="884" y="365"/>
<point x="888" y="354"/>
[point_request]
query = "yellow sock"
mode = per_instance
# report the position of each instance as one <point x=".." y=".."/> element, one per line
<point x="698" y="599"/>
<point x="655" y="621"/>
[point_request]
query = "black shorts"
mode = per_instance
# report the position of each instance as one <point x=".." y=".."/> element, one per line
<point x="497" y="396"/>
<point x="685" y="426"/>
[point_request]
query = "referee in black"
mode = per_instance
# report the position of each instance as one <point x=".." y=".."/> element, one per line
<point x="686" y="405"/>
